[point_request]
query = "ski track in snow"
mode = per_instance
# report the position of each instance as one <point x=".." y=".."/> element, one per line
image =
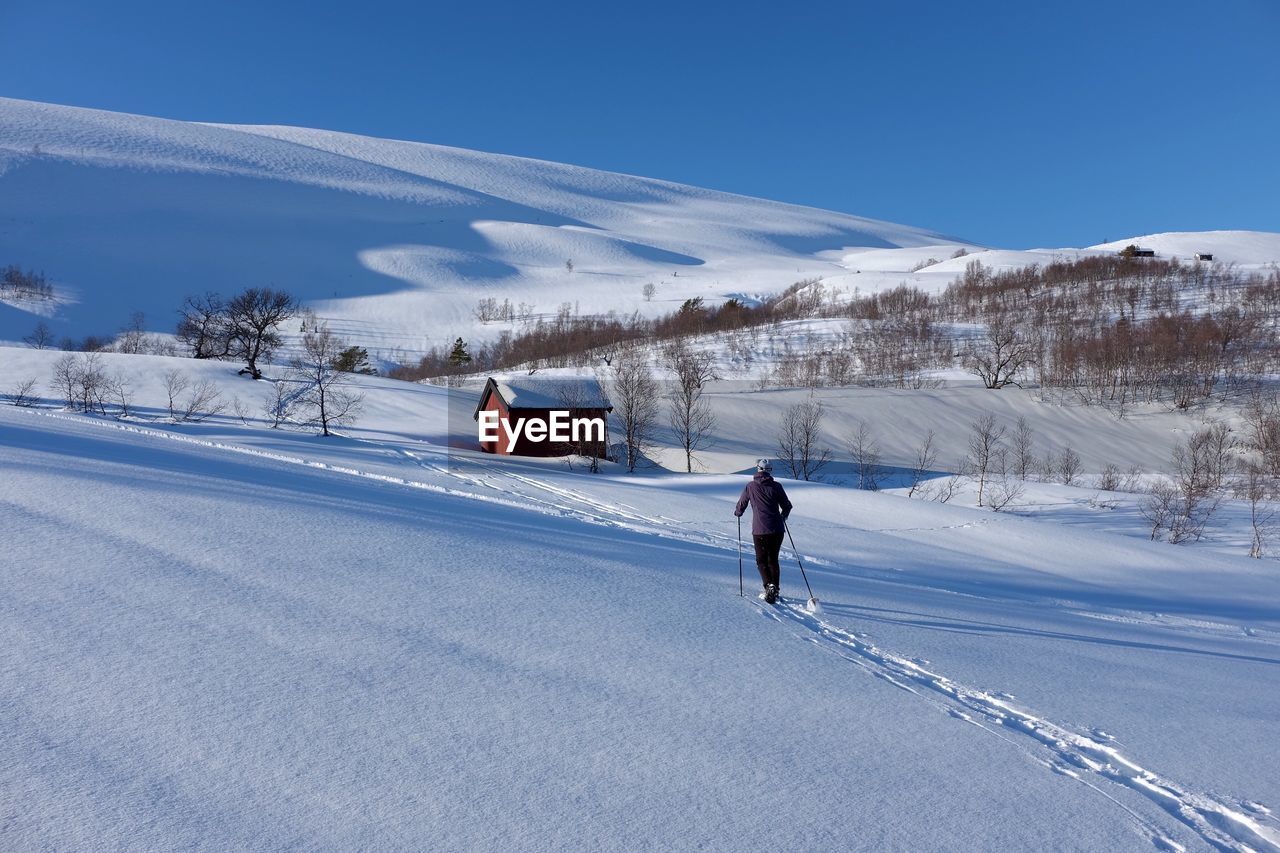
<point x="1089" y="760"/>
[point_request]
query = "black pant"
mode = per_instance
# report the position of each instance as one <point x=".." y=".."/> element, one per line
<point x="768" y="545"/>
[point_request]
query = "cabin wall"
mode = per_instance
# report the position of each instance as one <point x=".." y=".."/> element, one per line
<point x="495" y="403"/>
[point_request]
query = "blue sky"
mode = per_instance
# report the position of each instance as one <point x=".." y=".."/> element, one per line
<point x="1009" y="123"/>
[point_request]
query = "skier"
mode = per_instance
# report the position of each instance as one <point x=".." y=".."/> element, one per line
<point x="769" y="511"/>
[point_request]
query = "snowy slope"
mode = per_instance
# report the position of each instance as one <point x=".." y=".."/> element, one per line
<point x="1243" y="248"/>
<point x="395" y="242"/>
<point x="871" y="270"/>
<point x="220" y="635"/>
<point x="744" y="430"/>
<point x="250" y="638"/>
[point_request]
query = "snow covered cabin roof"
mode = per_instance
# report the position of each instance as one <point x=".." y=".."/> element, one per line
<point x="546" y="392"/>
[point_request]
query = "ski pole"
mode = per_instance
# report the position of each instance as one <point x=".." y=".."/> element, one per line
<point x="740" y="592"/>
<point x="796" y="551"/>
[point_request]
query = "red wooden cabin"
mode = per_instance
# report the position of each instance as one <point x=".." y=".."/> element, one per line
<point x="534" y="399"/>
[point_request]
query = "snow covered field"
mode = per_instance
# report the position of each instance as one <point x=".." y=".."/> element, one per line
<point x="219" y="635"/>
<point x="394" y="243"/>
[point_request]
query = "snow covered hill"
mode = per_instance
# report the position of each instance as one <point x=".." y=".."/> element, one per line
<point x="224" y="635"/>
<point x="393" y="242"/>
<point x="872" y="270"/>
<point x="1246" y="249"/>
<point x="221" y="635"/>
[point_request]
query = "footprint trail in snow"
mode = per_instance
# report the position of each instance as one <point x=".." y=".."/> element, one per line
<point x="1247" y="826"/>
<point x="1091" y="760"/>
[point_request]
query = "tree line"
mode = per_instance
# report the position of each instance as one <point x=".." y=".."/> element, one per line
<point x="1116" y="330"/>
<point x="314" y="391"/>
<point x="570" y="339"/>
<point x="1210" y="465"/>
<point x="1110" y="330"/>
<point x="17" y="283"/>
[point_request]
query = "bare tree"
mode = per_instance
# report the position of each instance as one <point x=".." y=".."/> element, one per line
<point x="648" y="291"/>
<point x="1003" y="491"/>
<point x="279" y="405"/>
<point x="204" y="401"/>
<point x="608" y="352"/>
<point x="947" y="489"/>
<point x="41" y="336"/>
<point x="121" y="393"/>
<point x="1185" y="506"/>
<point x="839" y="367"/>
<point x="1196" y="504"/>
<point x="1047" y="469"/>
<point x="66" y="377"/>
<point x="690" y="414"/>
<point x="203" y="326"/>
<point x="22" y="394"/>
<point x="328" y="392"/>
<point x="1258" y="489"/>
<point x="798" y="440"/>
<point x="1068" y="466"/>
<point x="157" y="345"/>
<point x="1000" y="356"/>
<point x="635" y="402"/>
<point x="133" y="337"/>
<point x="865" y="451"/>
<point x="253" y="321"/>
<point x="985" y="445"/>
<point x="1158" y="507"/>
<point x="574" y="396"/>
<point x="175" y="382"/>
<point x="926" y="458"/>
<point x="91" y="387"/>
<point x="1262" y="414"/>
<point x="1109" y="479"/>
<point x="1217" y="444"/>
<point x="1023" y="447"/>
<point x="486" y="310"/>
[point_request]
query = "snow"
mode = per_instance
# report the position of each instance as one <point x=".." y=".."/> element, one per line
<point x="392" y="242"/>
<point x="549" y="392"/>
<point x="1244" y="249"/>
<point x="872" y="270"/>
<point x="400" y="413"/>
<point x="223" y="635"/>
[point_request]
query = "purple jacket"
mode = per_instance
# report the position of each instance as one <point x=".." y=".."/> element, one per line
<point x="769" y="504"/>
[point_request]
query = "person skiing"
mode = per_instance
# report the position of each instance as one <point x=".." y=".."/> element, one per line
<point x="769" y="511"/>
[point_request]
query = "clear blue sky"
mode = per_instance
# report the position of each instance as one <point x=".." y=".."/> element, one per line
<point x="1009" y="123"/>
